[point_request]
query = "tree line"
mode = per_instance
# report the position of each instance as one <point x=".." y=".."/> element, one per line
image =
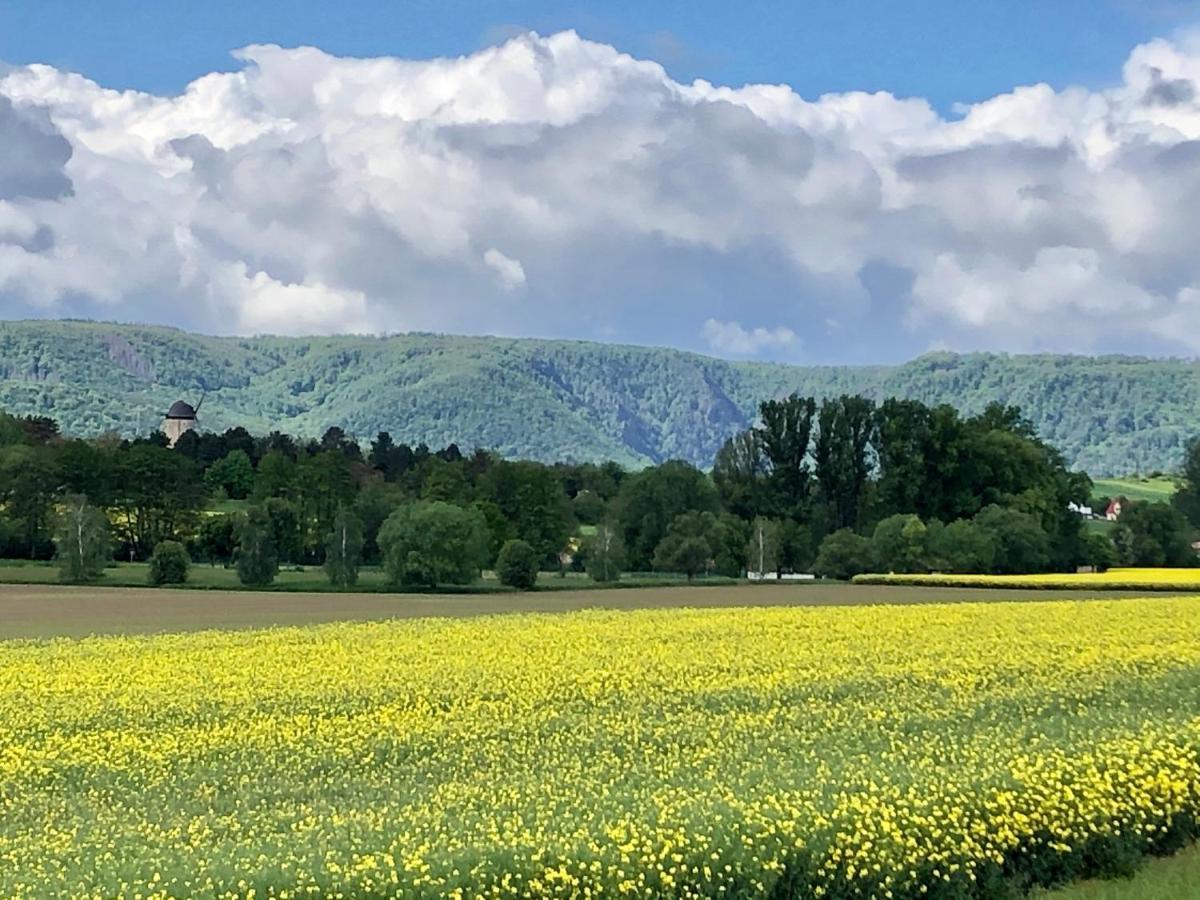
<point x="836" y="487"/>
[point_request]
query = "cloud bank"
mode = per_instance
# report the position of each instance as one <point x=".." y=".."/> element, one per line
<point x="556" y="186"/>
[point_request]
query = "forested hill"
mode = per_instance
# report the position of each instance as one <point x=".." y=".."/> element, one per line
<point x="558" y="400"/>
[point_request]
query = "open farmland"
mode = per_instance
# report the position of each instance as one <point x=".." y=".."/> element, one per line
<point x="949" y="750"/>
<point x="51" y="610"/>
<point x="1131" y="579"/>
<point x="1152" y="490"/>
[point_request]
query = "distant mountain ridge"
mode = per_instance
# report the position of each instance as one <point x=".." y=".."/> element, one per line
<point x="555" y="400"/>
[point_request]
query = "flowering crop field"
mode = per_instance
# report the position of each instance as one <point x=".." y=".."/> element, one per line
<point x="945" y="751"/>
<point x="1110" y="580"/>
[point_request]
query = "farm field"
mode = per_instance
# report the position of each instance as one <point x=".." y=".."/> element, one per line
<point x="51" y="610"/>
<point x="950" y="750"/>
<point x="1113" y="579"/>
<point x="1153" y="490"/>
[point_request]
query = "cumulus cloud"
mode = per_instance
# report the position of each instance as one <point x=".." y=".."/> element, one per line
<point x="510" y="271"/>
<point x="600" y="198"/>
<point x="733" y="339"/>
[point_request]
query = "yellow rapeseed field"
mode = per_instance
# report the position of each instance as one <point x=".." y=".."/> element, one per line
<point x="1113" y="579"/>
<point x="941" y="751"/>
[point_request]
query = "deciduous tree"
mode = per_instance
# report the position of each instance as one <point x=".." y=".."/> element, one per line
<point x="82" y="541"/>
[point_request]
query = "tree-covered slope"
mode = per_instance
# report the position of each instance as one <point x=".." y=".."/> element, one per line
<point x="559" y="399"/>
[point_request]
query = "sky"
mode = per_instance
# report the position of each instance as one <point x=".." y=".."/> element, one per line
<point x="802" y="182"/>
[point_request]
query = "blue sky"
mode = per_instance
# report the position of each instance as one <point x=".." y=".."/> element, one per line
<point x="945" y="50"/>
<point x="852" y="182"/>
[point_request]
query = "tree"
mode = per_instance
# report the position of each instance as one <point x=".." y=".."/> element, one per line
<point x="445" y="481"/>
<point x="587" y="507"/>
<point x="328" y="484"/>
<point x="729" y="540"/>
<point x="276" y="476"/>
<point x="962" y="547"/>
<point x="217" y="538"/>
<point x="287" y="529"/>
<point x="159" y="497"/>
<point x="169" y="563"/>
<point x="1160" y="534"/>
<point x="843" y="555"/>
<point x="384" y="456"/>
<point x="786" y="431"/>
<point x="687" y="546"/>
<point x="343" y="549"/>
<point x="529" y="496"/>
<point x="1187" y="494"/>
<point x="898" y="544"/>
<point x="651" y="500"/>
<point x="763" y="551"/>
<point x="257" y="557"/>
<point x="842" y="457"/>
<point x="90" y="468"/>
<point x="82" y="541"/>
<point x="431" y="543"/>
<point x="517" y="565"/>
<point x="605" y="554"/>
<point x="740" y="473"/>
<point x="233" y="474"/>
<point x="1099" y="551"/>
<point x="28" y="480"/>
<point x="335" y="440"/>
<point x="1022" y="545"/>
<point x="795" y="546"/>
<point x="373" y="505"/>
<point x="499" y="529"/>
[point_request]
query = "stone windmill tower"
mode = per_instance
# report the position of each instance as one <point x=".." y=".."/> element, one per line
<point x="180" y="417"/>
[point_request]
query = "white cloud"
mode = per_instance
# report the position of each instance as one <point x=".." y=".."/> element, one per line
<point x="264" y="304"/>
<point x="306" y="192"/>
<point x="510" y="271"/>
<point x="732" y="338"/>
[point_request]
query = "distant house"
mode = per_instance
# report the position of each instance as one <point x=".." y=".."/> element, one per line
<point x="1114" y="510"/>
<point x="1084" y="511"/>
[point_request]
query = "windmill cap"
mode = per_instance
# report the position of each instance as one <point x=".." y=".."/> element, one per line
<point x="181" y="410"/>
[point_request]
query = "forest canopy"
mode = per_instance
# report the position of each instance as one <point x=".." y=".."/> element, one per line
<point x="561" y="400"/>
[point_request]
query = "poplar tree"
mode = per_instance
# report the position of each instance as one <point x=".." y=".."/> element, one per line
<point x="343" y="549"/>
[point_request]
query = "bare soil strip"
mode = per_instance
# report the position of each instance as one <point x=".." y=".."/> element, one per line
<point x="42" y="611"/>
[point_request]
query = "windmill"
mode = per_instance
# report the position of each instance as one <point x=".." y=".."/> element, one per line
<point x="181" y="417"/>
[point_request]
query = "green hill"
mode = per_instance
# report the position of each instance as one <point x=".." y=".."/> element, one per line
<point x="560" y="399"/>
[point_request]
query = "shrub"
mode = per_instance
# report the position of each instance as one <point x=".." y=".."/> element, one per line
<point x="169" y="563"/>
<point x="960" y="547"/>
<point x="517" y="565"/>
<point x="843" y="555"/>
<point x="899" y="544"/>
<point x="1022" y="545"/>
<point x="431" y="543"/>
